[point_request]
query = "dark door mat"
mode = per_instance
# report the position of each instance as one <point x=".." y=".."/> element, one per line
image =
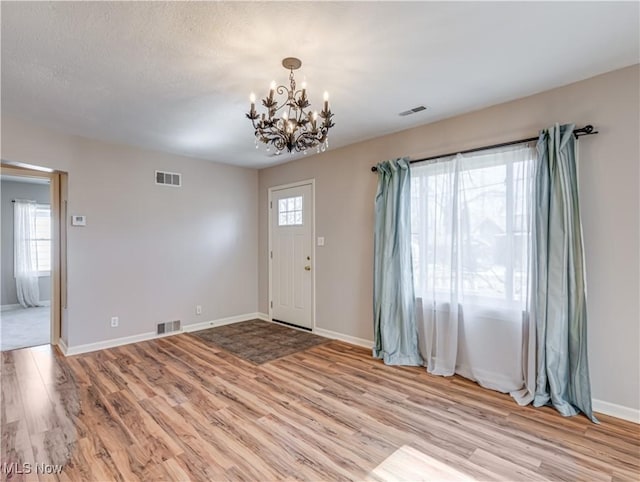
<point x="260" y="341"/>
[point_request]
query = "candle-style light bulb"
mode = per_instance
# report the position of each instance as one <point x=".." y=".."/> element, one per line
<point x="285" y="116"/>
<point x="252" y="98"/>
<point x="326" y="101"/>
<point x="272" y="87"/>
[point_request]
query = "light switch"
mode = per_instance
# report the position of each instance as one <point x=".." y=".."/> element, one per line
<point x="78" y="220"/>
<point x="320" y="240"/>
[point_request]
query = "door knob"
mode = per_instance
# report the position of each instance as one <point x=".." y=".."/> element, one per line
<point x="307" y="268"/>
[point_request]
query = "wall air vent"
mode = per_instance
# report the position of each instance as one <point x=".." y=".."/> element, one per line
<point x="168" y="327"/>
<point x="412" y="111"/>
<point x="168" y="178"/>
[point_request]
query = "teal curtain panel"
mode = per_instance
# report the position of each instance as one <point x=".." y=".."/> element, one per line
<point x="395" y="335"/>
<point x="558" y="300"/>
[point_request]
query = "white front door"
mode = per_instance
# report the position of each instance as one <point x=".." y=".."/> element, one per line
<point x="291" y="250"/>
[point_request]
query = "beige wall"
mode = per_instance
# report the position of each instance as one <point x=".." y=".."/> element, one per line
<point x="609" y="171"/>
<point x="148" y="253"/>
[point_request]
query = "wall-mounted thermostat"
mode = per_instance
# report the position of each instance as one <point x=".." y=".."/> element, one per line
<point x="78" y="220"/>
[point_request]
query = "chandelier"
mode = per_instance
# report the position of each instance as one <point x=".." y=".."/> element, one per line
<point x="291" y="124"/>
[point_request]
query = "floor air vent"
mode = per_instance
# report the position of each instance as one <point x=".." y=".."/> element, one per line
<point x="168" y="178"/>
<point x="168" y="327"/>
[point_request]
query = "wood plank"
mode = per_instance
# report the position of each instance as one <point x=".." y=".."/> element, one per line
<point x="408" y="463"/>
<point x="504" y="467"/>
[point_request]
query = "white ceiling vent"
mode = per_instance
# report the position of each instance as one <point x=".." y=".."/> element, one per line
<point x="169" y="178"/>
<point x="412" y="111"/>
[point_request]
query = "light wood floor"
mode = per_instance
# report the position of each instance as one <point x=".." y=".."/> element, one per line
<point x="176" y="409"/>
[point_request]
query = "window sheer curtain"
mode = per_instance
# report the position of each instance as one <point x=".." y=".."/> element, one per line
<point x="25" y="261"/>
<point x="471" y="243"/>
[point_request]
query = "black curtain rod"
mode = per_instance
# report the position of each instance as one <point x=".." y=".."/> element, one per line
<point x="583" y="131"/>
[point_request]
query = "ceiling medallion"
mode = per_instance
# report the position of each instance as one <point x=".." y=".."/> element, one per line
<point x="291" y="124"/>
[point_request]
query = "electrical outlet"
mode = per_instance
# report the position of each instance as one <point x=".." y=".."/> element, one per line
<point x="198" y="310"/>
<point x="114" y="321"/>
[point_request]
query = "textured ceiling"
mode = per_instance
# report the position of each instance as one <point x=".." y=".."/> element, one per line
<point x="176" y="76"/>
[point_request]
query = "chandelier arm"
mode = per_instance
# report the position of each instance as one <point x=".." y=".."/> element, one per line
<point x="276" y="136"/>
<point x="307" y="138"/>
<point x="301" y="114"/>
<point x="256" y="128"/>
<point x="279" y="143"/>
<point x="281" y="89"/>
<point x="280" y="107"/>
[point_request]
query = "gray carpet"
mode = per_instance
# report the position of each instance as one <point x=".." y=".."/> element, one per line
<point x="259" y="341"/>
<point x="24" y="327"/>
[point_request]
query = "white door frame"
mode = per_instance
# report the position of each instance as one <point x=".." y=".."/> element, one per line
<point x="312" y="182"/>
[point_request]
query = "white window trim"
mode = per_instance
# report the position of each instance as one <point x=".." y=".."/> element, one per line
<point x="43" y="273"/>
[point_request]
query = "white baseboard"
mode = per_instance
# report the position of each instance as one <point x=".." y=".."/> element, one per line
<point x="263" y="316"/>
<point x="63" y="346"/>
<point x="342" y="337"/>
<point x="222" y="321"/>
<point x="103" y="345"/>
<point x="618" y="411"/>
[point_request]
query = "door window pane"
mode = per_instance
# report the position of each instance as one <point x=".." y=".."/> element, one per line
<point x="290" y="211"/>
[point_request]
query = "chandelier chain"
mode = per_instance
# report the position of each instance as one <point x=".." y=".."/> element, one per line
<point x="292" y="81"/>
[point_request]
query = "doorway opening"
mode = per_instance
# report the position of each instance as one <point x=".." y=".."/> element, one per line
<point x="30" y="258"/>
